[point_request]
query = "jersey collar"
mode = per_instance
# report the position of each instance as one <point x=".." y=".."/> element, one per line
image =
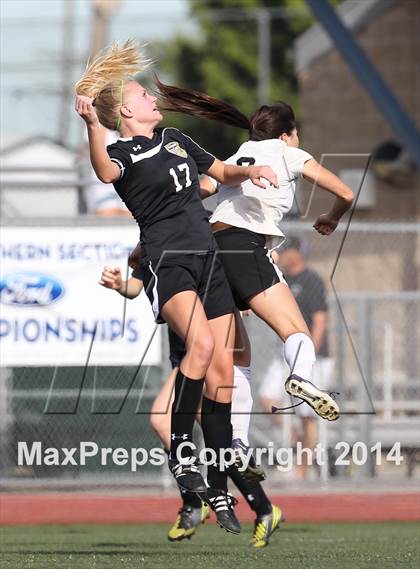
<point x="145" y="139"/>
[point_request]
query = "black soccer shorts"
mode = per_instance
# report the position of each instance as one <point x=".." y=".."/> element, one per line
<point x="176" y="348"/>
<point x="202" y="273"/>
<point x="248" y="265"/>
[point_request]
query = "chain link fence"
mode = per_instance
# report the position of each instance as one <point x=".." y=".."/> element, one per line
<point x="371" y="276"/>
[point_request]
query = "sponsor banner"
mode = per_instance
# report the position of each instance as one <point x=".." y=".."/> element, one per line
<point x="54" y="312"/>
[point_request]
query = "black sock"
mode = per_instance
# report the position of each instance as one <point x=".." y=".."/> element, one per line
<point x="188" y="498"/>
<point x="184" y="408"/>
<point x="252" y="492"/>
<point x="217" y="431"/>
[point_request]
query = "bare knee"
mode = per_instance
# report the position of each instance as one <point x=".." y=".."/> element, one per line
<point x="219" y="380"/>
<point x="201" y="350"/>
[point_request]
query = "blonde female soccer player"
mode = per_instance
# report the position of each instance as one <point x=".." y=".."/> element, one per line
<point x="155" y="172"/>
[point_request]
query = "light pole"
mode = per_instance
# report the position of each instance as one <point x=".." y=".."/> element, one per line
<point x="66" y="69"/>
<point x="262" y="17"/>
<point x="102" y="11"/>
<point x="264" y="55"/>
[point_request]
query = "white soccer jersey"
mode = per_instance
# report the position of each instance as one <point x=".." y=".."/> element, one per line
<point x="254" y="208"/>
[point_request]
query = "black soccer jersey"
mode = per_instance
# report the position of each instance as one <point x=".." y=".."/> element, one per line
<point x="159" y="184"/>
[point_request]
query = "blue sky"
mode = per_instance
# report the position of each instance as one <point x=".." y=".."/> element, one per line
<point x="31" y="45"/>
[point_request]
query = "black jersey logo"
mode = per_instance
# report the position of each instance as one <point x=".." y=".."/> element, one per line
<point x="175" y="148"/>
<point x="138" y="147"/>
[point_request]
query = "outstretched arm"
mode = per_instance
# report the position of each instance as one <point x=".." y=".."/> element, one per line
<point x="106" y="170"/>
<point x="317" y="174"/>
<point x="207" y="187"/>
<point x="111" y="278"/>
<point x="231" y="175"/>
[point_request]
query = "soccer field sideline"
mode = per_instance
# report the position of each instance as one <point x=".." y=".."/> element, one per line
<point x="91" y="508"/>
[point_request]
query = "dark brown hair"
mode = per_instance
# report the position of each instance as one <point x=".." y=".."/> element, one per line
<point x="267" y="122"/>
<point x="272" y="121"/>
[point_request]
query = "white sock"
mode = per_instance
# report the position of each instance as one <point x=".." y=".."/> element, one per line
<point x="299" y="353"/>
<point x="241" y="403"/>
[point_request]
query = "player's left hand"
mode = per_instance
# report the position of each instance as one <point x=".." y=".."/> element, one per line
<point x="325" y="225"/>
<point x="111" y="278"/>
<point x="264" y="172"/>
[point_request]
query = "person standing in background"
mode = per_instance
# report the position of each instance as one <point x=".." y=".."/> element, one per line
<point x="310" y="294"/>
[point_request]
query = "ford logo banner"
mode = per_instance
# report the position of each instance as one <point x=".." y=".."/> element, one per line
<point x="30" y="289"/>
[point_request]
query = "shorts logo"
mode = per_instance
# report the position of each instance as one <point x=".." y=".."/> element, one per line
<point x="174" y="148"/>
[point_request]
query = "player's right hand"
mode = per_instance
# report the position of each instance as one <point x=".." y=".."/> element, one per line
<point x="259" y="173"/>
<point x="111" y="278"/>
<point x="85" y="109"/>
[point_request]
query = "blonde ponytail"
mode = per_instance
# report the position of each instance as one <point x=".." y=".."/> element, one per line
<point x="105" y="77"/>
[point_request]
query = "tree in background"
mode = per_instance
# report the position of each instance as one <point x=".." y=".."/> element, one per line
<point x="222" y="60"/>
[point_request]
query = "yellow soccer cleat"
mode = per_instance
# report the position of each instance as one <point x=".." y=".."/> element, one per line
<point x="187" y="522"/>
<point x="264" y="526"/>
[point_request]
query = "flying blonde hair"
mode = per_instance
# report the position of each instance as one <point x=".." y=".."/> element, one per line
<point x="105" y="77"/>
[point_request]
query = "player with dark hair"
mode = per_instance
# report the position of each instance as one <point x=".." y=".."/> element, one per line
<point x="247" y="229"/>
<point x="155" y="172"/>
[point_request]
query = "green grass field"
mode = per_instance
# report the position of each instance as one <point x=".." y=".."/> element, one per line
<point x="303" y="546"/>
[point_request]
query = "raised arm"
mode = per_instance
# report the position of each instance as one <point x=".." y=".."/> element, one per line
<point x="231" y="175"/>
<point x="106" y="170"/>
<point x="317" y="174"/>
